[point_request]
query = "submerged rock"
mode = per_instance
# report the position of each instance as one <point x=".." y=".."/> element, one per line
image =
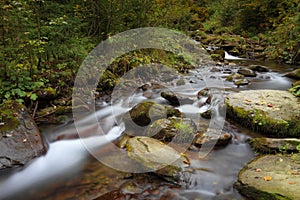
<point x="273" y="145"/>
<point x="156" y="156"/>
<point x="176" y="99"/>
<point x="271" y="177"/>
<point x="20" y="139"/>
<point x="178" y="130"/>
<point x="271" y="112"/>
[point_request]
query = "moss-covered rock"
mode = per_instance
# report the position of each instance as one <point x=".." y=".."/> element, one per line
<point x="20" y="139"/>
<point x="241" y="82"/>
<point x="145" y="113"/>
<point x="270" y="112"/>
<point x="275" y="145"/>
<point x="270" y="177"/>
<point x="234" y="77"/>
<point x="178" y="130"/>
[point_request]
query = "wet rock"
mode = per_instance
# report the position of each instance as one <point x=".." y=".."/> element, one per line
<point x="215" y="69"/>
<point x="217" y="54"/>
<point x="208" y="114"/>
<point x="271" y="112"/>
<point x="203" y="93"/>
<point x="177" y="130"/>
<point x="294" y="74"/>
<point x="156" y="156"/>
<point x="241" y="82"/>
<point x="234" y="77"/>
<point x="176" y="99"/>
<point x="247" y="72"/>
<point x="271" y="177"/>
<point x="275" y="145"/>
<point x="20" y="139"/>
<point x="146" y="112"/>
<point x="213" y="137"/>
<point x="258" y="68"/>
<point x="180" y="82"/>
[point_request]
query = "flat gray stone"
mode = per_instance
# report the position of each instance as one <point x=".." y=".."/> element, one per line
<point x="271" y="177"/>
<point x="274" y="113"/>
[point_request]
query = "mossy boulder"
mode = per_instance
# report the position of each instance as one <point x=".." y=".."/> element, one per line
<point x="275" y="145"/>
<point x="271" y="112"/>
<point x="294" y="74"/>
<point x="234" y="77"/>
<point x="241" y="82"/>
<point x="270" y="177"/>
<point x="177" y="130"/>
<point x="144" y="113"/>
<point x="20" y="139"/>
<point x="157" y="157"/>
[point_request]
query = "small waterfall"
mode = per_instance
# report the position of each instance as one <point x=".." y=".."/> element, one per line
<point x="230" y="57"/>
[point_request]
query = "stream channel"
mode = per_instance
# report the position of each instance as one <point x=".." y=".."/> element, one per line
<point x="68" y="171"/>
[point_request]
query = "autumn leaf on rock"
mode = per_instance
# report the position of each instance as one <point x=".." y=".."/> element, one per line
<point x="267" y="178"/>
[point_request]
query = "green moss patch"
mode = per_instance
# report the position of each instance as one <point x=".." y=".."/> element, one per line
<point x="9" y="115"/>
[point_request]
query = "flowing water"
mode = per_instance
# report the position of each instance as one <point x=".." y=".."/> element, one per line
<point x="67" y="171"/>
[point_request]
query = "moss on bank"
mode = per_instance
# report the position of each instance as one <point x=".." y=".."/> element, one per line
<point x="8" y="118"/>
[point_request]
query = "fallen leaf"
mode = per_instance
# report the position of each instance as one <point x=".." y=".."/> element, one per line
<point x="295" y="173"/>
<point x="267" y="178"/>
<point x="292" y="183"/>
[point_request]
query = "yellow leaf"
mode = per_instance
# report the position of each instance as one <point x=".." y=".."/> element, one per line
<point x="267" y="178"/>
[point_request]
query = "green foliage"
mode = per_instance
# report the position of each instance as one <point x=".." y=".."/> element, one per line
<point x="43" y="42"/>
<point x="295" y="90"/>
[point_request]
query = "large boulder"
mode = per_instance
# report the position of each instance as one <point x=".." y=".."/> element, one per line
<point x="271" y="177"/>
<point x="20" y="139"/>
<point x="156" y="156"/>
<point x="270" y="112"/>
